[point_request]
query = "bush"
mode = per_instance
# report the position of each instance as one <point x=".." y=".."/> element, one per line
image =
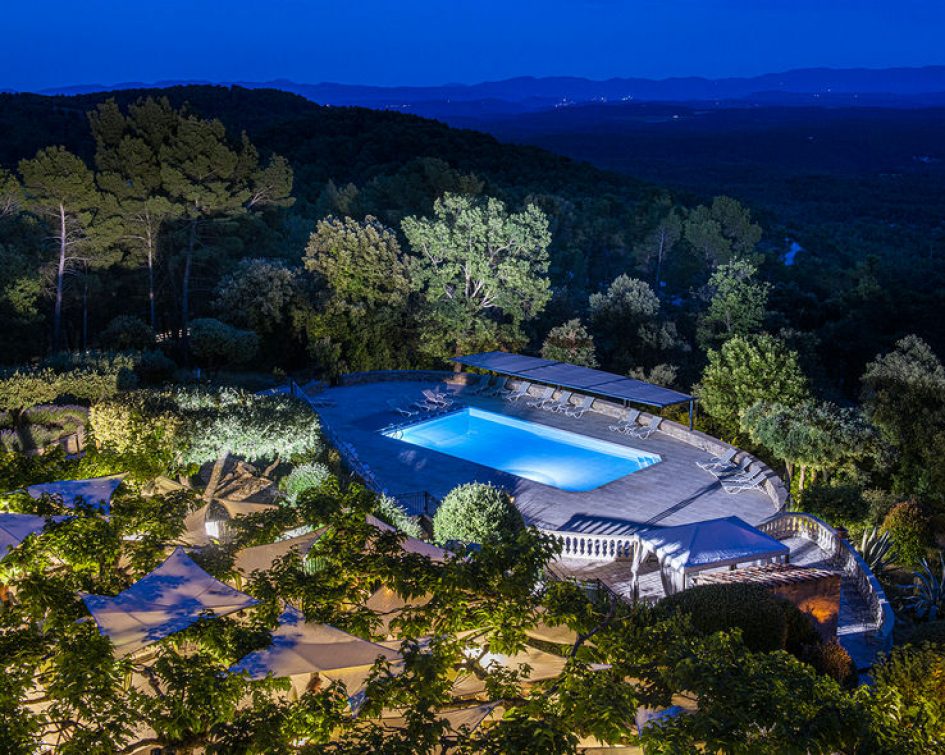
<point x="303" y="477"/>
<point x="391" y="512"/>
<point x="215" y="344"/>
<point x="127" y="333"/>
<point x="154" y="367"/>
<point x="909" y="528"/>
<point x="767" y="621"/>
<point x="570" y="342"/>
<point x="838" y="505"/>
<point x="933" y="632"/>
<point x="476" y="513"/>
<point x="831" y="659"/>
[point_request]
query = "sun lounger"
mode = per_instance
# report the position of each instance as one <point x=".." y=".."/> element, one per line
<point x="438" y="399"/>
<point x="749" y="483"/>
<point x="733" y="472"/>
<point x="647" y="430"/>
<point x="560" y="404"/>
<point x="720" y="462"/>
<point x="580" y="409"/>
<point x="519" y="392"/>
<point x="427" y="406"/>
<point x="482" y="387"/>
<point x="498" y="388"/>
<point x="406" y="411"/>
<point x="543" y="398"/>
<point x="627" y="423"/>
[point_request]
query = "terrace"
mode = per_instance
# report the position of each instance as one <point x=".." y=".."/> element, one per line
<point x="596" y="527"/>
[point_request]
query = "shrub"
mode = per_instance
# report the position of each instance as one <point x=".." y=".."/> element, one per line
<point x="838" y="505"/>
<point x="391" y="512"/>
<point x="215" y="344"/>
<point x="909" y="528"/>
<point x="570" y="342"/>
<point x="154" y="367"/>
<point x="767" y="621"/>
<point x="303" y="477"/>
<point x="475" y="513"/>
<point x="127" y="333"/>
<point x="831" y="659"/>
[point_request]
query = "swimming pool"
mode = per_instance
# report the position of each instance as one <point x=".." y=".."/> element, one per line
<point x="558" y="458"/>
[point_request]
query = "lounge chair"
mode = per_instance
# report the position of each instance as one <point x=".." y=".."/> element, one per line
<point x="498" y="388"/>
<point x="519" y="392"/>
<point x="482" y="387"/>
<point x="580" y="409"/>
<point x="753" y="482"/>
<point x="544" y="398"/>
<point x="406" y="411"/>
<point x="720" y="462"/>
<point x="647" y="430"/>
<point x="436" y="398"/>
<point x="733" y="472"/>
<point x="427" y="406"/>
<point x="560" y="404"/>
<point x="627" y="423"/>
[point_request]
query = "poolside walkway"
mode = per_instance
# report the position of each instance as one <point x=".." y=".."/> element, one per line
<point x="673" y="491"/>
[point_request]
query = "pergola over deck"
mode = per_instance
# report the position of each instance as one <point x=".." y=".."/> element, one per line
<point x="575" y="377"/>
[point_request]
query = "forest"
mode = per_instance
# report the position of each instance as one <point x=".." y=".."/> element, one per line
<point x="166" y="252"/>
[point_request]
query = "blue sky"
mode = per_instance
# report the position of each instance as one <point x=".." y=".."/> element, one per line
<point x="62" y="42"/>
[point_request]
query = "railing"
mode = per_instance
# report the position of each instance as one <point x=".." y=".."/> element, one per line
<point x="797" y="524"/>
<point x="593" y="547"/>
<point x="417" y="503"/>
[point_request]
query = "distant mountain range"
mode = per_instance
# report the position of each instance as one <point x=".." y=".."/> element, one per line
<point x="890" y="87"/>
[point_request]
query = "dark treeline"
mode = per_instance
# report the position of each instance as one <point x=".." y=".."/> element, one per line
<point x="353" y="162"/>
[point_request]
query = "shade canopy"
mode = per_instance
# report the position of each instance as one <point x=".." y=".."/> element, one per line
<point x="94" y="492"/>
<point x="15" y="528"/>
<point x="208" y="523"/>
<point x="165" y="601"/>
<point x="575" y="377"/>
<point x="263" y="557"/>
<point x="689" y="548"/>
<point x="300" y="648"/>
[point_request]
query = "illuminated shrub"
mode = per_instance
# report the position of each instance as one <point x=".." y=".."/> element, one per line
<point x="909" y="528"/>
<point x="303" y="477"/>
<point x="475" y="513"/>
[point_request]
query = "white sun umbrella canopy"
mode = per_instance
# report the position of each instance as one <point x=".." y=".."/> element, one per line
<point x="412" y="544"/>
<point x="300" y="649"/>
<point x="15" y="528"/>
<point x="165" y="601"/>
<point x="96" y="491"/>
<point x="689" y="548"/>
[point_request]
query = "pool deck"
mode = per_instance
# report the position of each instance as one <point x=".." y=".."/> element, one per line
<point x="673" y="491"/>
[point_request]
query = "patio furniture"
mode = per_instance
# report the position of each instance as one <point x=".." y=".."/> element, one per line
<point x="733" y="472"/>
<point x="720" y="462"/>
<point x="435" y="398"/>
<point x="519" y="392"/>
<point x="646" y="431"/>
<point x="560" y="404"/>
<point x="406" y="411"/>
<point x="483" y="387"/>
<point x="581" y="408"/>
<point x="498" y="388"/>
<point x="544" y="398"/>
<point x="627" y="423"/>
<point x="741" y="485"/>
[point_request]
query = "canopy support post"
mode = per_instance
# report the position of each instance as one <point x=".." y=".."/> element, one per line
<point x="692" y="405"/>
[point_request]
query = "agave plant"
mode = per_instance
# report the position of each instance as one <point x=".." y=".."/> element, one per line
<point x="928" y="590"/>
<point x="877" y="550"/>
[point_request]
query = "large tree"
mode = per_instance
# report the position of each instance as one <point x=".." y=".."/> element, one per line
<point x="737" y="303"/>
<point x="360" y="320"/>
<point x="722" y="231"/>
<point x="60" y="188"/>
<point x="629" y="326"/>
<point x="481" y="271"/>
<point x="744" y="371"/>
<point x="904" y="396"/>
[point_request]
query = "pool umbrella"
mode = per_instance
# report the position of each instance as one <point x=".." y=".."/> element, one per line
<point x="97" y="490"/>
<point x="300" y="650"/>
<point x="15" y="528"/>
<point x="167" y="600"/>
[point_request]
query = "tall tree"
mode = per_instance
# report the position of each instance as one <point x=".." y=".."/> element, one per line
<point x="481" y="270"/>
<point x="570" y="342"/>
<point x="61" y="188"/>
<point x="737" y="303"/>
<point x="746" y="370"/>
<point x="129" y="174"/>
<point x="654" y="251"/>
<point x="629" y="325"/>
<point x="361" y="287"/>
<point x="722" y="231"/>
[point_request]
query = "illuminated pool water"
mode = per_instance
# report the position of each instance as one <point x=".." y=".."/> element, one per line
<point x="558" y="458"/>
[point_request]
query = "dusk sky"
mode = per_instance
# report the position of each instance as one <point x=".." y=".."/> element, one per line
<point x="63" y="42"/>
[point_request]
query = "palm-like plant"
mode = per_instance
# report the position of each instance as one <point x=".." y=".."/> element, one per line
<point x="928" y="590"/>
<point x="877" y="550"/>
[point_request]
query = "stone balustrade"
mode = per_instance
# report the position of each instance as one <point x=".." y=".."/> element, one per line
<point x="592" y="547"/>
